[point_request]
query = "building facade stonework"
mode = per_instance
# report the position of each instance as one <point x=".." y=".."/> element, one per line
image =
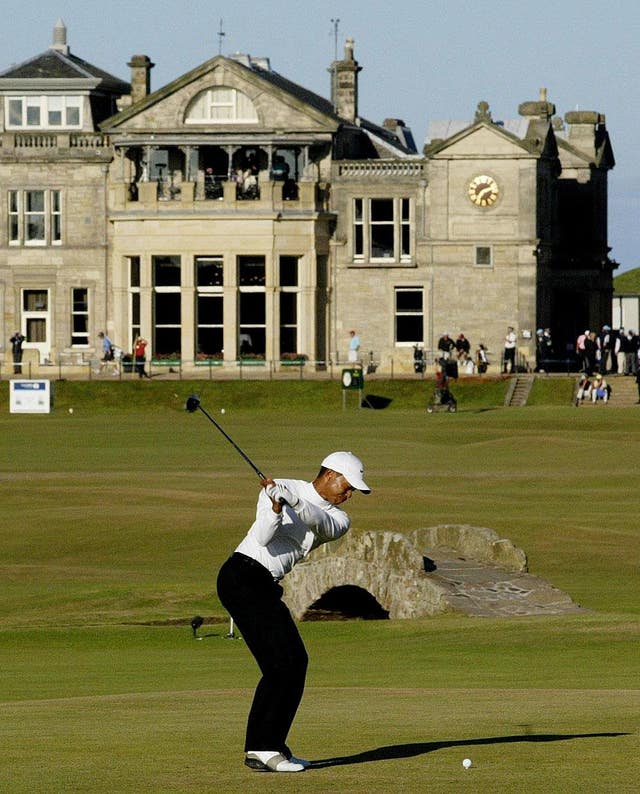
<point x="234" y="215"/>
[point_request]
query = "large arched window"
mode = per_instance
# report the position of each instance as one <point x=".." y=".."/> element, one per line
<point x="221" y="105"/>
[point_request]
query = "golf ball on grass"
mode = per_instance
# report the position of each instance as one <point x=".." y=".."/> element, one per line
<point x="467" y="763"/>
<point x="222" y="411"/>
<point x="70" y="410"/>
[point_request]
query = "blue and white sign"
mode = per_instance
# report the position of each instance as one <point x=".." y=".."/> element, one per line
<point x="30" y="397"/>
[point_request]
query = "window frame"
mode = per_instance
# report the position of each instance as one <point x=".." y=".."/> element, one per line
<point x="209" y="292"/>
<point x="86" y="312"/>
<point x="397" y="313"/>
<point x="21" y="217"/>
<point x="39" y="105"/>
<point x="366" y="224"/>
<point x="477" y="256"/>
<point x="206" y="102"/>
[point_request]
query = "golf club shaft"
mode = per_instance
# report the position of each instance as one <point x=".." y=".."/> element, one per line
<point x="233" y="443"/>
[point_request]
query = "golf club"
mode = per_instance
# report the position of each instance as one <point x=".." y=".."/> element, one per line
<point x="192" y="405"/>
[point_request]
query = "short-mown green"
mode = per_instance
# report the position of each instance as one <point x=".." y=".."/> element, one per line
<point x="115" y="518"/>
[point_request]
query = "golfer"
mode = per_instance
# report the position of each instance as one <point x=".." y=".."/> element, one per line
<point x="292" y="518"/>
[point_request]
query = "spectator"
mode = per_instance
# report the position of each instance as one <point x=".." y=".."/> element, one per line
<point x="584" y="389"/>
<point x="482" y="361"/>
<point x="16" y="350"/>
<point x="591" y="353"/>
<point x="629" y="350"/>
<point x="600" y="389"/>
<point x="139" y="347"/>
<point x="445" y="346"/>
<point x="463" y="347"/>
<point x="509" y="357"/>
<point x="581" y="352"/>
<point x="354" y="346"/>
<point x="603" y="343"/>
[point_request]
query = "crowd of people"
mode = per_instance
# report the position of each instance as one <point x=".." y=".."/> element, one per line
<point x="612" y="351"/>
<point x="455" y="355"/>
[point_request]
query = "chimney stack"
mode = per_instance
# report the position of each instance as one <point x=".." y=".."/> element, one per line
<point x="344" y="84"/>
<point x="60" y="38"/>
<point x="141" y="67"/>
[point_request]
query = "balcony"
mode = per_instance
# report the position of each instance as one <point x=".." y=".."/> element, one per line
<point x="266" y="196"/>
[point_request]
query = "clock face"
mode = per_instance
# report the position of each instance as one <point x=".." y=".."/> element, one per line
<point x="483" y="190"/>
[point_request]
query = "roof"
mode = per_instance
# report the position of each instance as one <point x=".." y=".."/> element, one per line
<point x="55" y="65"/>
<point x="441" y="130"/>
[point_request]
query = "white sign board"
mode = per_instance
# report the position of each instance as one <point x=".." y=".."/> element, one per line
<point x="30" y="397"/>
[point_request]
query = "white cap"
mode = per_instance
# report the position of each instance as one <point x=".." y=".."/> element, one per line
<point x="351" y="468"/>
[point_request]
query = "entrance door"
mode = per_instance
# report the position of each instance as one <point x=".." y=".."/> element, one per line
<point x="36" y="321"/>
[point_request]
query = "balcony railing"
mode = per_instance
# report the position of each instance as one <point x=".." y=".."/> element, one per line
<point x="383" y="168"/>
<point x="51" y="140"/>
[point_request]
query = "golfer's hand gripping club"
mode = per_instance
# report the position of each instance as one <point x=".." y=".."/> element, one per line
<point x="278" y="492"/>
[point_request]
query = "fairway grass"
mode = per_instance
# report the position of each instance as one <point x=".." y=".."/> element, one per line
<point x="116" y="518"/>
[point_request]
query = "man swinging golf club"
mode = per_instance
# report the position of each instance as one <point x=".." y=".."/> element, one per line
<point x="292" y="518"/>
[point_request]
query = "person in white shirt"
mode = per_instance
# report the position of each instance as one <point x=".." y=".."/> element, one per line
<point x="509" y="356"/>
<point x="292" y="518"/>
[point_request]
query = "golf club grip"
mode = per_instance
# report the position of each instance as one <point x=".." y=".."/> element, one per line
<point x="233" y="443"/>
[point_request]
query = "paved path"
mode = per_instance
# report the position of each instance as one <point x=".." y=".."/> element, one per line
<point x="477" y="588"/>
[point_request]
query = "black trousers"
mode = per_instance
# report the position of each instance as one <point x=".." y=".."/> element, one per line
<point x="254" y="601"/>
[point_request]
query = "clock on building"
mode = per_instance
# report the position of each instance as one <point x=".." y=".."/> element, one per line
<point x="483" y="190"/>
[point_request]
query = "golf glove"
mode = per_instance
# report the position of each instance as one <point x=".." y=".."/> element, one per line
<point x="280" y="493"/>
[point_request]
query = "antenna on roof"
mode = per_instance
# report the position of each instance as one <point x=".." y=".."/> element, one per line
<point x="335" y="23"/>
<point x="221" y="34"/>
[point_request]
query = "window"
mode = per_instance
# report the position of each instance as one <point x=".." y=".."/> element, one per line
<point x="133" y="263"/>
<point x="409" y="315"/>
<point x="484" y="256"/>
<point x="79" y="317"/>
<point x="209" y="280"/>
<point x="251" y="306"/>
<point x="221" y="105"/>
<point x="35" y="217"/>
<point x="167" y="310"/>
<point x="288" y="279"/>
<point x="44" y="112"/>
<point x="382" y="230"/>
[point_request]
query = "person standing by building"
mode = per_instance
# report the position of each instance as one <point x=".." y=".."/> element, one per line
<point x="16" y="351"/>
<point x="354" y="346"/>
<point x="139" y="347"/>
<point x="292" y="518"/>
<point x="509" y="356"/>
<point x="108" y="354"/>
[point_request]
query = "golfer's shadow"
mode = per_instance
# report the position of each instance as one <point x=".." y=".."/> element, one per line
<point x="421" y="748"/>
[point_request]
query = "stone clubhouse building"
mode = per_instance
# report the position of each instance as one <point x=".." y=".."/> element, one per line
<point x="235" y="215"/>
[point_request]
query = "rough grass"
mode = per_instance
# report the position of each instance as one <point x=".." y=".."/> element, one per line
<point x="119" y="514"/>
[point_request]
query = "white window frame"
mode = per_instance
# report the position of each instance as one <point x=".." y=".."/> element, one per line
<point x="35" y="111"/>
<point x="173" y="289"/>
<point x="292" y="289"/>
<point x="363" y="224"/>
<point x="406" y="313"/>
<point x="80" y="313"/>
<point x="19" y="217"/>
<point x="210" y="292"/>
<point x="241" y="109"/>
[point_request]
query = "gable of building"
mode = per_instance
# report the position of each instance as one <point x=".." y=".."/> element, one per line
<point x="276" y="105"/>
<point x="482" y="139"/>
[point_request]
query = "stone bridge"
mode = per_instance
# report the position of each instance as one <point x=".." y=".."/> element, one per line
<point x="445" y="568"/>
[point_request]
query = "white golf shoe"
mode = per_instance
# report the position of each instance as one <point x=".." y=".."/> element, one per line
<point x="271" y="761"/>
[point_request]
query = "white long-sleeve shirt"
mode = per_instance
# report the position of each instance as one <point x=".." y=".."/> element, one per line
<point x="280" y="540"/>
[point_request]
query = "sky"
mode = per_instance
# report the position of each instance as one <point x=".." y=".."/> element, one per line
<point x="421" y="61"/>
